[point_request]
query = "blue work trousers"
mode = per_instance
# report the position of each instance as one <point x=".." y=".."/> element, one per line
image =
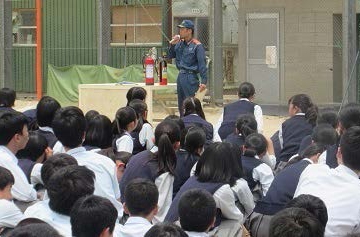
<point x="187" y="85"/>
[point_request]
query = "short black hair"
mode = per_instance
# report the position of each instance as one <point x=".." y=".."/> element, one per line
<point x="246" y="124"/>
<point x="69" y="126"/>
<point x="135" y="92"/>
<point x="312" y="204"/>
<point x="226" y="170"/>
<point x="324" y="134"/>
<point x="90" y="115"/>
<point x="349" y="116"/>
<point x="35" y="230"/>
<point x="195" y="138"/>
<point x="197" y="210"/>
<point x="54" y="163"/>
<point x="141" y="197"/>
<point x="6" y="178"/>
<point x="255" y="144"/>
<point x="92" y="214"/>
<point x="165" y="230"/>
<point x="11" y="123"/>
<point x="246" y="90"/>
<point x="67" y="185"/>
<point x="99" y="132"/>
<point x="7" y="97"/>
<point x="295" y="222"/>
<point x="350" y="147"/>
<point x="45" y="111"/>
<point x="34" y="148"/>
<point x="328" y="116"/>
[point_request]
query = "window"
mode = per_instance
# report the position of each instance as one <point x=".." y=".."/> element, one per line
<point x="142" y="26"/>
<point x="24" y="27"/>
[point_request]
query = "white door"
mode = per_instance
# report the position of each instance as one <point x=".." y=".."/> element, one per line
<point x="263" y="55"/>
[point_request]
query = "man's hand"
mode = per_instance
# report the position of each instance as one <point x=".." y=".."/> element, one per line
<point x="202" y="87"/>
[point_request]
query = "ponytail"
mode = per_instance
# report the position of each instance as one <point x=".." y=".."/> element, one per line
<point x="311" y="114"/>
<point x="192" y="105"/>
<point x="246" y="124"/>
<point x="304" y="103"/>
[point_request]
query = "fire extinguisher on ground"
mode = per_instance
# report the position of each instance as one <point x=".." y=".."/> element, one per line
<point x="163" y="70"/>
<point x="148" y="65"/>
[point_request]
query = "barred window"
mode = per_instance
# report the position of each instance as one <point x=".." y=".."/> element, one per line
<point x="24" y="27"/>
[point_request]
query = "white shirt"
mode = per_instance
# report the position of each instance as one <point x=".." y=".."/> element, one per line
<point x="21" y="190"/>
<point x="243" y="194"/>
<point x="106" y="184"/>
<point x="10" y="214"/>
<point x="135" y="226"/>
<point x="146" y="136"/>
<point x="46" y="129"/>
<point x="339" y="188"/>
<point x="164" y="183"/>
<point x="258" y="117"/>
<point x="197" y="234"/>
<point x="125" y="143"/>
<point x="225" y="201"/>
<point x="264" y="175"/>
<point x="58" y="148"/>
<point x="42" y="211"/>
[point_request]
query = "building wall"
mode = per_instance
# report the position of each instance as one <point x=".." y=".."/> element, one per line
<point x="306" y="45"/>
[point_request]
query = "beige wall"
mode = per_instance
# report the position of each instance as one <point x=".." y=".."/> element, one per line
<point x="306" y="45"/>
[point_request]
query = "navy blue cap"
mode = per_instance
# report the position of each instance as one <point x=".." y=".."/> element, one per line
<point x="186" y="24"/>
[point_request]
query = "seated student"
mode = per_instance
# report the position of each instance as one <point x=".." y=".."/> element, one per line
<point x="7" y="98"/>
<point x="223" y="179"/>
<point x="98" y="134"/>
<point x="35" y="230"/>
<point x="197" y="212"/>
<point x="303" y="114"/>
<point x="244" y="105"/>
<point x="245" y="125"/>
<point x="141" y="203"/>
<point x="64" y="188"/>
<point x="93" y="216"/>
<point x="89" y="116"/>
<point x="333" y="186"/>
<point x="281" y="191"/>
<point x="312" y="204"/>
<point x="45" y="112"/>
<point x="135" y="92"/>
<point x="10" y="214"/>
<point x="13" y="137"/>
<point x="69" y="127"/>
<point x="187" y="156"/>
<point x="258" y="175"/>
<point x="194" y="115"/>
<point x="35" y="151"/>
<point x="124" y="123"/>
<point x="159" y="167"/>
<point x="143" y="135"/>
<point x="165" y="229"/>
<point x="295" y="222"/>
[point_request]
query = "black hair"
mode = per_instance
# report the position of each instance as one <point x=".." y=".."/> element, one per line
<point x="226" y="170"/>
<point x="192" y="105"/>
<point x="123" y="117"/>
<point x="165" y="230"/>
<point x="312" y="204"/>
<point x="350" y="147"/>
<point x="349" y="116"/>
<point x="304" y="103"/>
<point x="197" y="210"/>
<point x="99" y="132"/>
<point x="67" y="185"/>
<point x="90" y="115"/>
<point x="295" y="222"/>
<point x="114" y="155"/>
<point x="54" y="163"/>
<point x="313" y="149"/>
<point x="255" y="144"/>
<point x="69" y="126"/>
<point x="328" y="116"/>
<point x="135" y="93"/>
<point x="29" y="221"/>
<point x="6" y="178"/>
<point x="35" y="230"/>
<point x="246" y="124"/>
<point x="140" y="108"/>
<point x="11" y="123"/>
<point x="246" y="90"/>
<point x="45" y="111"/>
<point x="34" y="148"/>
<point x="167" y="133"/>
<point x="181" y="125"/>
<point x="195" y="138"/>
<point x="324" y="134"/>
<point x="141" y="197"/>
<point x="90" y="215"/>
<point x="7" y="97"/>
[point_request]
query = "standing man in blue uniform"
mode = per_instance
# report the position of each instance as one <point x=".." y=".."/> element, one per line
<point x="190" y="59"/>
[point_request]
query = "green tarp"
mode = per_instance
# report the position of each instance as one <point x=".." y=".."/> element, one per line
<point x="63" y="81"/>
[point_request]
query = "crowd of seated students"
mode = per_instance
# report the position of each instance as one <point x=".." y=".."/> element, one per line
<point x="66" y="173"/>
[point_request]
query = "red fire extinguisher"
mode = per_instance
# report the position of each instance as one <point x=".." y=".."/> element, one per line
<point x="149" y="69"/>
<point x="163" y="70"/>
